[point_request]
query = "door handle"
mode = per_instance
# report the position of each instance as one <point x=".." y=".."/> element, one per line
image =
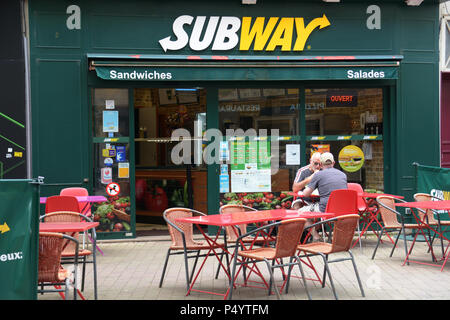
<point x="85" y="180"/>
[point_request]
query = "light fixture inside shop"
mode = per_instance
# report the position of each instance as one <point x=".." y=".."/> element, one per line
<point x="248" y="1"/>
<point x="331" y="0"/>
<point x="413" y="2"/>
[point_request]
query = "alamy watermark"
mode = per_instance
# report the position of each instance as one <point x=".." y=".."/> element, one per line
<point x="222" y="149"/>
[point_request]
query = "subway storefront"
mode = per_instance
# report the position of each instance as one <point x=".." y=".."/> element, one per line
<point x="205" y="104"/>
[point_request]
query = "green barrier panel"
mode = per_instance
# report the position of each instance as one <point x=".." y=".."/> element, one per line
<point x="19" y="236"/>
<point x="434" y="181"/>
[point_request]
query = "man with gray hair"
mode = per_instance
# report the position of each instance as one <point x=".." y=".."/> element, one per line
<point x="325" y="181"/>
<point x="303" y="177"/>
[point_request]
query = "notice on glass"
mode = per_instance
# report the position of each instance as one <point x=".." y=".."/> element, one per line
<point x="224" y="151"/>
<point x="123" y="170"/>
<point x="251" y="180"/>
<point x="109" y="104"/>
<point x="292" y="154"/>
<point x="224" y="180"/>
<point x="110" y="121"/>
<point x="250" y="166"/>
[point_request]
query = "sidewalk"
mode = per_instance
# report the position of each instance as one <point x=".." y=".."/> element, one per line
<point x="131" y="269"/>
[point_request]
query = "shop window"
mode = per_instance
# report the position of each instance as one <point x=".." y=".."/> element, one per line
<point x="259" y="164"/>
<point x="259" y="109"/>
<point x="111" y="158"/>
<point x="110" y="106"/>
<point x="349" y="124"/>
<point x="158" y="112"/>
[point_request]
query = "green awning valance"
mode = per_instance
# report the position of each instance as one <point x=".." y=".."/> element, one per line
<point x="235" y="70"/>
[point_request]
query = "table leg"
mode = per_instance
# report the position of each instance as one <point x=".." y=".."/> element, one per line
<point x="213" y="246"/>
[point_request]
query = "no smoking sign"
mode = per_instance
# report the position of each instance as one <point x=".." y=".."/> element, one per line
<point x="113" y="189"/>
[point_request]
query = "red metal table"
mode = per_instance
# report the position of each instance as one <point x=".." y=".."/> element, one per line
<point x="235" y="219"/>
<point x="83" y="199"/>
<point x="433" y="205"/>
<point x="373" y="214"/>
<point x="299" y="195"/>
<point x="63" y="227"/>
<point x="74" y="227"/>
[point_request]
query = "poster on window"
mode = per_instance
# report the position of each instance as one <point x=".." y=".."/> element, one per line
<point x="250" y="168"/>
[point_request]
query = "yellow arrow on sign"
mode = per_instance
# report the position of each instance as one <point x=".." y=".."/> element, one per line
<point x="4" y="228"/>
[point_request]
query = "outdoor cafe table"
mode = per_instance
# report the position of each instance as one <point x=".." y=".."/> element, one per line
<point x="73" y="227"/>
<point x="299" y="195"/>
<point x="235" y="219"/>
<point x="83" y="199"/>
<point x="423" y="224"/>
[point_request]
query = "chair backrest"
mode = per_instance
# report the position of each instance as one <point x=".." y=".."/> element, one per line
<point x="62" y="203"/>
<point x="388" y="213"/>
<point x="230" y="230"/>
<point x="169" y="216"/>
<point x="288" y="237"/>
<point x="361" y="202"/>
<point x="343" y="232"/>
<point x="78" y="191"/>
<point x="50" y="249"/>
<point x="65" y="216"/>
<point x="62" y="216"/>
<point x="429" y="212"/>
<point x="342" y="202"/>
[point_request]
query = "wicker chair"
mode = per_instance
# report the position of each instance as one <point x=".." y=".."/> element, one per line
<point x="70" y="250"/>
<point x="288" y="237"/>
<point x="233" y="232"/>
<point x="389" y="217"/>
<point x="50" y="272"/>
<point x="430" y="216"/>
<point x="183" y="242"/>
<point x="344" y="230"/>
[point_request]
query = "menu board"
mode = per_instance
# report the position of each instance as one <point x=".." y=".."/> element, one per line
<point x="250" y="165"/>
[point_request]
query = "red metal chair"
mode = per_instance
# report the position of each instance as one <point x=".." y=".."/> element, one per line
<point x="343" y="202"/>
<point x="61" y="203"/>
<point x="76" y="191"/>
<point x="365" y="212"/>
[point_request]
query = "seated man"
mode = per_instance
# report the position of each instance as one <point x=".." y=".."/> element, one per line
<point x="303" y="177"/>
<point x="326" y="181"/>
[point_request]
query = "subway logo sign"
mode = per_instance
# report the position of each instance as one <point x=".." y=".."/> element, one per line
<point x="246" y="33"/>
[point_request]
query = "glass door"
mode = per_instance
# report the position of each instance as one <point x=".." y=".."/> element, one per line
<point x="111" y="162"/>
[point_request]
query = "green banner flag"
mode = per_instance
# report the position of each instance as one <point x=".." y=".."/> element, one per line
<point x="19" y="236"/>
<point x="434" y="181"/>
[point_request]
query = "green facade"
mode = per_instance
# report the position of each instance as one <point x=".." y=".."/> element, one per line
<point x="120" y="30"/>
